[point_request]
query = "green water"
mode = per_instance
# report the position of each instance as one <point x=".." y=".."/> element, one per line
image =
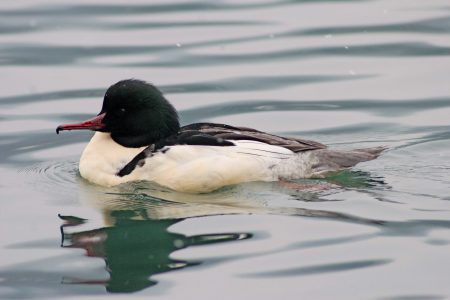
<point x="349" y="74"/>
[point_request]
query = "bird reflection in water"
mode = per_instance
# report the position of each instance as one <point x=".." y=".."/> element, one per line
<point x="135" y="242"/>
<point x="135" y="250"/>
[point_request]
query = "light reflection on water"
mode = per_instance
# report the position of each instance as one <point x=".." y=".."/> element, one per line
<point x="347" y="73"/>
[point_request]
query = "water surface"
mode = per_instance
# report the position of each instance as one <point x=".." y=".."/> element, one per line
<point x="349" y="74"/>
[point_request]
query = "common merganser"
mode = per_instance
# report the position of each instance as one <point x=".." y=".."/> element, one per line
<point x="138" y="137"/>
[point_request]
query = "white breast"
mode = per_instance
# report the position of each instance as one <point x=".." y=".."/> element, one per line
<point x="103" y="158"/>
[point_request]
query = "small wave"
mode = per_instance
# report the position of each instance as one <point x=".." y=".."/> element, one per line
<point x="52" y="176"/>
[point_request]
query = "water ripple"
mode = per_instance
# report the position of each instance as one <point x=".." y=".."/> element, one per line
<point x="30" y="142"/>
<point x="131" y="9"/>
<point x="439" y="25"/>
<point x="66" y="55"/>
<point x="48" y="25"/>
<point x="289" y="61"/>
<point x="322" y="268"/>
<point x="379" y="107"/>
<point x="237" y="84"/>
<point x="413" y="49"/>
<point x="52" y="176"/>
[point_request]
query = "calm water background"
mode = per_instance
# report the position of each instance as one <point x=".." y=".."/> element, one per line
<point x="347" y="73"/>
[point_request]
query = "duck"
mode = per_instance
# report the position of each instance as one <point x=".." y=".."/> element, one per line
<point x="138" y="137"/>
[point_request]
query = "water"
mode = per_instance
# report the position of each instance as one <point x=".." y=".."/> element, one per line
<point x="346" y="73"/>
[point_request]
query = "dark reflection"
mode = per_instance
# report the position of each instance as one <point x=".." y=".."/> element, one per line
<point x="52" y="24"/>
<point x="419" y="49"/>
<point x="136" y="244"/>
<point x="57" y="95"/>
<point x="135" y="250"/>
<point x="356" y="179"/>
<point x="413" y="227"/>
<point x="249" y="83"/>
<point x="443" y="134"/>
<point x="321" y="269"/>
<point x="63" y="55"/>
<point x="253" y="83"/>
<point x="433" y="25"/>
<point x="131" y="9"/>
<point x="67" y="55"/>
<point x="15" y="152"/>
<point x="375" y="106"/>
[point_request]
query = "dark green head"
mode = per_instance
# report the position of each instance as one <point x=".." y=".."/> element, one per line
<point x="135" y="113"/>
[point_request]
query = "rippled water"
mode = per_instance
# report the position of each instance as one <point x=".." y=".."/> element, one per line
<point x="346" y="73"/>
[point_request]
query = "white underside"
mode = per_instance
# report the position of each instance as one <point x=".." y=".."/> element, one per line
<point x="194" y="169"/>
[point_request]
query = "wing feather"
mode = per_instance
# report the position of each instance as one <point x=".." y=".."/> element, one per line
<point x="228" y="132"/>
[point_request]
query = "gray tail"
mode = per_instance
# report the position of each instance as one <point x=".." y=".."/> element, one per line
<point x="328" y="161"/>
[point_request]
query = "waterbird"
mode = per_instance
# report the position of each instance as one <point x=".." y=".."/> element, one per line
<point x="138" y="137"/>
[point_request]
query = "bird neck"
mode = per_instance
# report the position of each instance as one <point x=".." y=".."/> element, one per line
<point x="135" y="141"/>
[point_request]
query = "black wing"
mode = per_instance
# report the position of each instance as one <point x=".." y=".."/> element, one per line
<point x="228" y="132"/>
